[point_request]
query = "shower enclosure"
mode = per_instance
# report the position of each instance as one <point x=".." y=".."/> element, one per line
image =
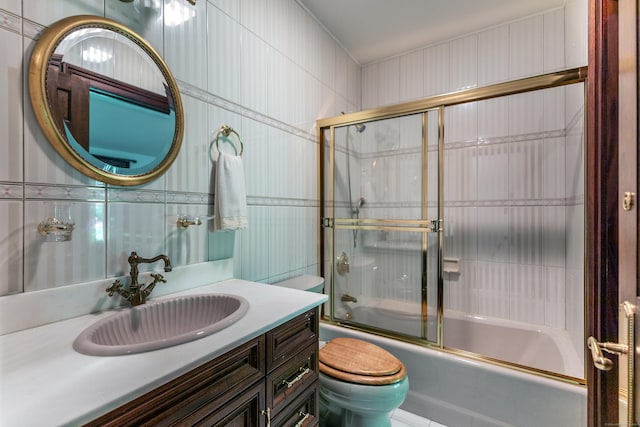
<point x="457" y="222"/>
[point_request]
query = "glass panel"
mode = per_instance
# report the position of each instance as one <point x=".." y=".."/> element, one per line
<point x="377" y="265"/>
<point x="514" y="215"/>
<point x="379" y="285"/>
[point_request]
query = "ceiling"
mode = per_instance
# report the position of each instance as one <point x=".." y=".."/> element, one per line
<point x="374" y="29"/>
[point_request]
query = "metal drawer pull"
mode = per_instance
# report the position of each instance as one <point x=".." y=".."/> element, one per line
<point x="303" y="372"/>
<point x="267" y="413"/>
<point x="304" y="417"/>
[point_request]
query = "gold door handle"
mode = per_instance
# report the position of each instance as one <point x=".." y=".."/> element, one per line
<point x="605" y="364"/>
<point x="601" y="362"/>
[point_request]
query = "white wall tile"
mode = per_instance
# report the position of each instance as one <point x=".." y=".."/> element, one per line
<point x="370" y="82"/>
<point x="185" y="43"/>
<point x="555" y="297"/>
<point x="526" y="47"/>
<point x="493" y="234"/>
<point x="255" y="137"/>
<point x="526" y="235"/>
<point x="461" y="233"/>
<point x="494" y="289"/>
<point x="528" y="294"/>
<point x="493" y="55"/>
<point x="190" y="245"/>
<point x="341" y="72"/>
<point x="327" y="60"/>
<point x="576" y="26"/>
<point x="52" y="264"/>
<point x="553" y="40"/>
<point x="437" y="70"/>
<point x="526" y="170"/>
<point x="461" y="123"/>
<point x="230" y="7"/>
<point x="460" y="174"/>
<point x="389" y="82"/>
<point x="254" y="16"/>
<point x="411" y="76"/>
<point x="491" y="118"/>
<point x="134" y="227"/>
<point x="13" y="6"/>
<point x="11" y="107"/>
<point x="554" y="109"/>
<point x="355" y="84"/>
<point x="261" y="72"/>
<point x="311" y="38"/>
<point x="526" y="113"/>
<point x="46" y="13"/>
<point x="11" y="247"/>
<point x="463" y="54"/>
<point x="256" y="244"/>
<point x="462" y="290"/>
<point x="191" y="171"/>
<point x="493" y="172"/>
<point x="143" y="17"/>
<point x="553" y="168"/>
<point x="223" y="61"/>
<point x="554" y="236"/>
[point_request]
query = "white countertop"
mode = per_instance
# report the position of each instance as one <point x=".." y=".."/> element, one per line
<point x="45" y="382"/>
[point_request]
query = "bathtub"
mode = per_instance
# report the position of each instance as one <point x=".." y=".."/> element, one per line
<point x="459" y="392"/>
<point x="540" y="347"/>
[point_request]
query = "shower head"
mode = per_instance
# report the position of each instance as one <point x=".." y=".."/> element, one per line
<point x="360" y="127"/>
<point x="359" y="204"/>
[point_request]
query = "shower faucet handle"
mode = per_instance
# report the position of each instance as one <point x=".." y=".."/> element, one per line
<point x="343" y="264"/>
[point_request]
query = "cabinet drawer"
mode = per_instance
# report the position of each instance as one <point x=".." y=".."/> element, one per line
<point x="287" y="381"/>
<point x="285" y="341"/>
<point x="189" y="397"/>
<point x="303" y="412"/>
<point x="243" y="411"/>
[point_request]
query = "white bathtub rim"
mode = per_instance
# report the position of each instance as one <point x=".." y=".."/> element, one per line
<point x="409" y="310"/>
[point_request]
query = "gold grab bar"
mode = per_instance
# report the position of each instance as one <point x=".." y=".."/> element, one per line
<point x="227" y="130"/>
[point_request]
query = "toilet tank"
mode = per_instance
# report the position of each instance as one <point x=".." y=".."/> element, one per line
<point x="306" y="282"/>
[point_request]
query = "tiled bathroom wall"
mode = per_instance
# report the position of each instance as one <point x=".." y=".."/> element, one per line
<point x="264" y="67"/>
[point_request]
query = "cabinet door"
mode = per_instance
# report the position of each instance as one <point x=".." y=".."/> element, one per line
<point x="244" y="411"/>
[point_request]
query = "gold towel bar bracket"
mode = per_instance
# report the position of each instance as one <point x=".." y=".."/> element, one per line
<point x="226" y="131"/>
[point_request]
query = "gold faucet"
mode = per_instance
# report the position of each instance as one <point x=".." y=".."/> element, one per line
<point x="137" y="294"/>
<point x="349" y="298"/>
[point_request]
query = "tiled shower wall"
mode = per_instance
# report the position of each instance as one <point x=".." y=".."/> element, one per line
<point x="264" y="67"/>
<point x="514" y="177"/>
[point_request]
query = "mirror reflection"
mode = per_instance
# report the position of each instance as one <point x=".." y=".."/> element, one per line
<point x="110" y="101"/>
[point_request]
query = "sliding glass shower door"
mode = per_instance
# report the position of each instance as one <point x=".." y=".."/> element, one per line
<point x="384" y="183"/>
<point x="457" y="222"/>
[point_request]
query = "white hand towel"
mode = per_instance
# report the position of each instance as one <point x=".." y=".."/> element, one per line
<point x="230" y="200"/>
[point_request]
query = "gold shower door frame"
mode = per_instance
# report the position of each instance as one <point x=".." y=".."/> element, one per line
<point x="424" y="225"/>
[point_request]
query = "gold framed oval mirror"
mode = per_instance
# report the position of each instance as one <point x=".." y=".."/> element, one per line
<point x="106" y="100"/>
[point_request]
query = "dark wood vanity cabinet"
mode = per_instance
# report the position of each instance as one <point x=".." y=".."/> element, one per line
<point x="270" y="380"/>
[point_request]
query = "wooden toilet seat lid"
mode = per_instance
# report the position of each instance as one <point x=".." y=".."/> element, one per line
<point x="360" y="362"/>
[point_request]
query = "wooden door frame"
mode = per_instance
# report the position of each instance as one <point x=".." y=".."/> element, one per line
<point x="602" y="204"/>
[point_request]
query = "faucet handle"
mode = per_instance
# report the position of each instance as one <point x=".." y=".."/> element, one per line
<point x="115" y="287"/>
<point x="158" y="278"/>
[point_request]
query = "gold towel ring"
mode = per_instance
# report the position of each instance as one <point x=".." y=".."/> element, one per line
<point x="227" y="130"/>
